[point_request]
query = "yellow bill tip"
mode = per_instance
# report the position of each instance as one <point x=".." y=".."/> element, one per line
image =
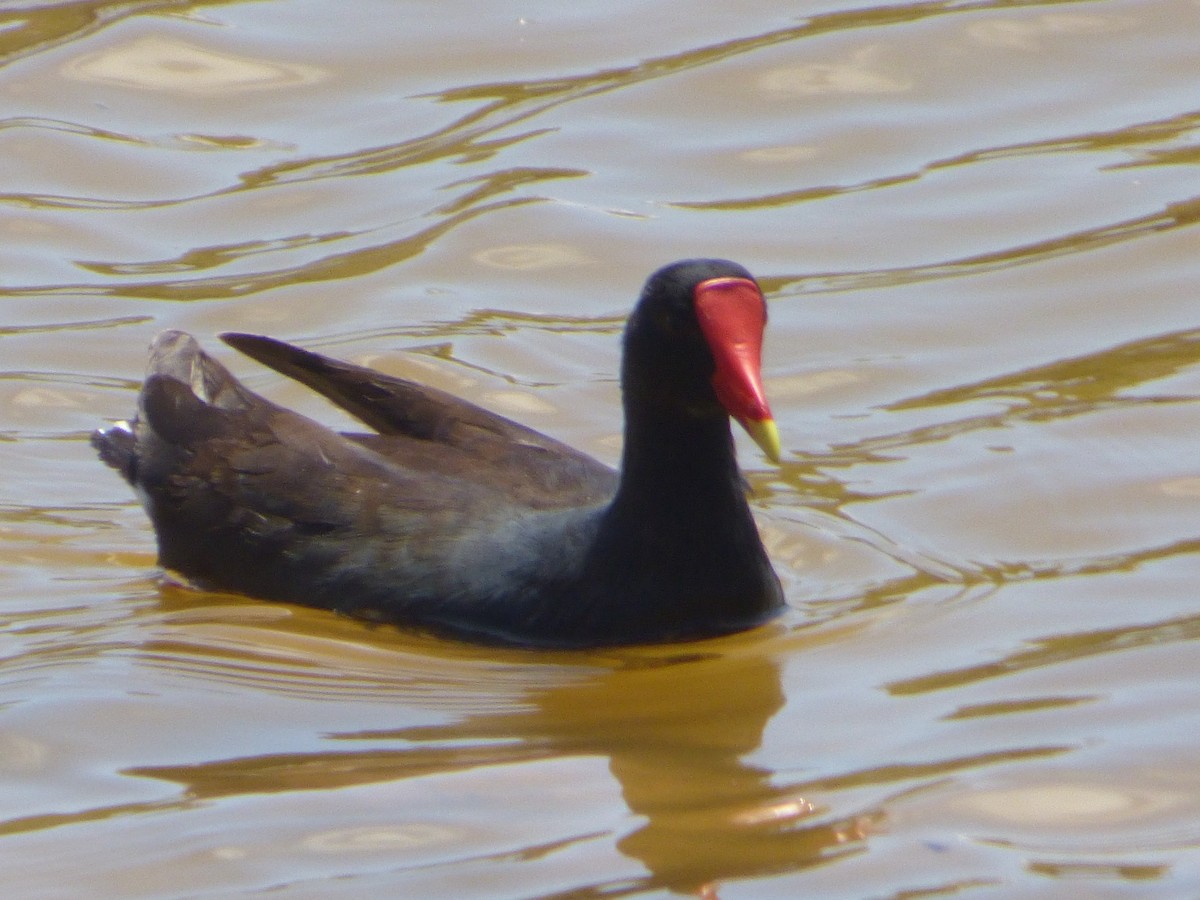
<point x="766" y="435"/>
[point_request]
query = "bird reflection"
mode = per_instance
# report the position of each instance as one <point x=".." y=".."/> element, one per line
<point x="678" y="729"/>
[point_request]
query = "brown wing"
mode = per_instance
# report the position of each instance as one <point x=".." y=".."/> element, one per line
<point x="426" y="429"/>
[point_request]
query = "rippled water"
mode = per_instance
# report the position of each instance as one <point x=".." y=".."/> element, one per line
<point x="976" y="222"/>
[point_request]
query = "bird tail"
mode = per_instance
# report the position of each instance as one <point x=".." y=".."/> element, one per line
<point x="180" y="400"/>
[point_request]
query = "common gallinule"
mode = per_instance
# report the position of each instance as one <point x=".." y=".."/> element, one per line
<point x="458" y="520"/>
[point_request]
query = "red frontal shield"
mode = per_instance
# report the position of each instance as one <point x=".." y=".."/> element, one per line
<point x="732" y="315"/>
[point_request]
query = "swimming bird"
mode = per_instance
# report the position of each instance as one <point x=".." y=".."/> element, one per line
<point x="453" y="519"/>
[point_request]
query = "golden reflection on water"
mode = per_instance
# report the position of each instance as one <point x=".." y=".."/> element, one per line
<point x="167" y="65"/>
<point x="976" y="233"/>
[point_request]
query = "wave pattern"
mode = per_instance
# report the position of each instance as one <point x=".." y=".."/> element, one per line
<point x="976" y="230"/>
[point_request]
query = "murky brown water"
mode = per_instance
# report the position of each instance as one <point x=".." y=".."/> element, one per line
<point x="977" y="223"/>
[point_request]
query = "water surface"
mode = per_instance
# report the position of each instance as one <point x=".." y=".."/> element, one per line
<point x="976" y="223"/>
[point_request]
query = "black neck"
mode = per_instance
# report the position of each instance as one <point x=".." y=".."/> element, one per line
<point x="681" y="498"/>
<point x="678" y="544"/>
<point x="678" y="464"/>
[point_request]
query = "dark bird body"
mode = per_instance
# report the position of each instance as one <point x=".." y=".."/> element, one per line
<point x="461" y="521"/>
